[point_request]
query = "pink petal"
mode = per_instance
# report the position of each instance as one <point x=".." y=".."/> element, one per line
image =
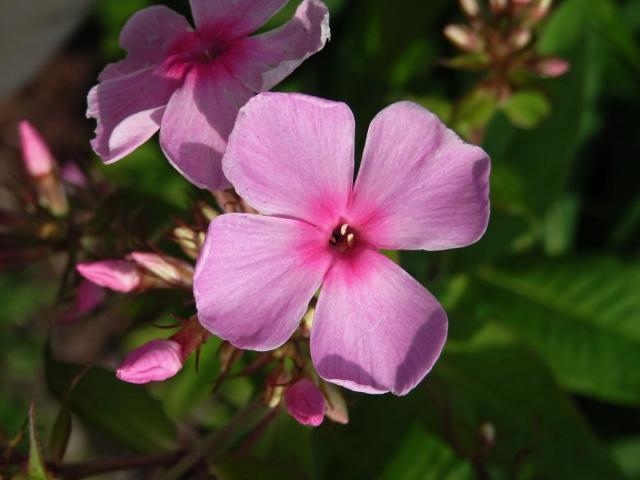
<point x="197" y="123"/>
<point x="147" y="36"/>
<point x="375" y="328"/>
<point x="305" y="402"/>
<point x="292" y="155"/>
<point x="128" y="110"/>
<point x="420" y="186"/>
<point x="153" y="362"/>
<point x="36" y="155"/>
<point x="118" y="275"/>
<point x="255" y="277"/>
<point x="240" y="17"/>
<point x="263" y="61"/>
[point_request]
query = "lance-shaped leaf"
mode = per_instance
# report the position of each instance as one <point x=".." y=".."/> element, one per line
<point x="36" y="469"/>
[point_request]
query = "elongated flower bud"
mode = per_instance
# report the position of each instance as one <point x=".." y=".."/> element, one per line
<point x="171" y="270"/>
<point x="41" y="167"/>
<point x="463" y="37"/>
<point x="336" y="405"/>
<point x="552" y="67"/>
<point x="119" y="275"/>
<point x="470" y="7"/>
<point x="88" y="296"/>
<point x="153" y="362"/>
<point x="540" y="9"/>
<point x="497" y="6"/>
<point x="305" y="402"/>
<point x="520" y="38"/>
<point x="35" y="153"/>
<point x="189" y="240"/>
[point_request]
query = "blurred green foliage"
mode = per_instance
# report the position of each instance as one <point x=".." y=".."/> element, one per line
<point x="540" y="378"/>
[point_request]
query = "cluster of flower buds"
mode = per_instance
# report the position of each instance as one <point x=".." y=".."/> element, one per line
<point x="499" y="39"/>
<point x="40" y="221"/>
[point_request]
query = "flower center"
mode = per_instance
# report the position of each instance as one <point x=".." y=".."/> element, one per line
<point x="343" y="238"/>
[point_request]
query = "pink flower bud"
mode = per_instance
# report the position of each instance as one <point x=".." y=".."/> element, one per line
<point x="153" y="362"/>
<point x="35" y="153"/>
<point x="497" y="6"/>
<point x="305" y="402"/>
<point x="88" y="297"/>
<point x="118" y="275"/>
<point x="336" y="406"/>
<point x="171" y="270"/>
<point x="552" y="67"/>
<point x="470" y="7"/>
<point x="540" y="9"/>
<point x="72" y="174"/>
<point x="463" y="37"/>
<point x="520" y="38"/>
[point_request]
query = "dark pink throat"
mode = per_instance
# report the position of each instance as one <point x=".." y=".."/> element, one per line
<point x="344" y="238"/>
<point x="198" y="48"/>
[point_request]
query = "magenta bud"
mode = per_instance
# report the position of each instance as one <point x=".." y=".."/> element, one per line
<point x="171" y="270"/>
<point x="88" y="297"/>
<point x="73" y="175"/>
<point x="305" y="402"/>
<point x="552" y="67"/>
<point x="118" y="275"/>
<point x="153" y="362"/>
<point x="35" y="153"/>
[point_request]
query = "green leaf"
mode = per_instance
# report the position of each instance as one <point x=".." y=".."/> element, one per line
<point x="560" y="225"/>
<point x="526" y="108"/>
<point x="582" y="315"/>
<point x="422" y="456"/>
<point x="36" y="467"/>
<point x="626" y="451"/>
<point x="474" y="112"/>
<point x="123" y="411"/>
<point x="492" y="379"/>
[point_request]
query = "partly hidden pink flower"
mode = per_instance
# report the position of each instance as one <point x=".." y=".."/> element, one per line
<point x="153" y="362"/>
<point x="88" y="296"/>
<point x="119" y="275"/>
<point x="36" y="155"/>
<point x="190" y="83"/>
<point x="305" y="402"/>
<point x="419" y="187"/>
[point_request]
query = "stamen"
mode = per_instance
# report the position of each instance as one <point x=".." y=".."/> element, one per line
<point x="350" y="238"/>
<point x="343" y="229"/>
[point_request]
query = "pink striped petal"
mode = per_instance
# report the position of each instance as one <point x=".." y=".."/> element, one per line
<point x="117" y="275"/>
<point x="420" y="186"/>
<point x="375" y="328"/>
<point x="292" y="155"/>
<point x="147" y="36"/>
<point x="305" y="402"/>
<point x="255" y="277"/>
<point x="263" y="61"/>
<point x="128" y="110"/>
<point x="197" y="123"/>
<point x="240" y="17"/>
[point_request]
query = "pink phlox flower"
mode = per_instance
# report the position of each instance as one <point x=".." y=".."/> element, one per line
<point x="291" y="156"/>
<point x="190" y="84"/>
<point x="305" y="402"/>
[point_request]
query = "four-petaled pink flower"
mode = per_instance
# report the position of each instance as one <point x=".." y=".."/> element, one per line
<point x="419" y="187"/>
<point x="190" y="83"/>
